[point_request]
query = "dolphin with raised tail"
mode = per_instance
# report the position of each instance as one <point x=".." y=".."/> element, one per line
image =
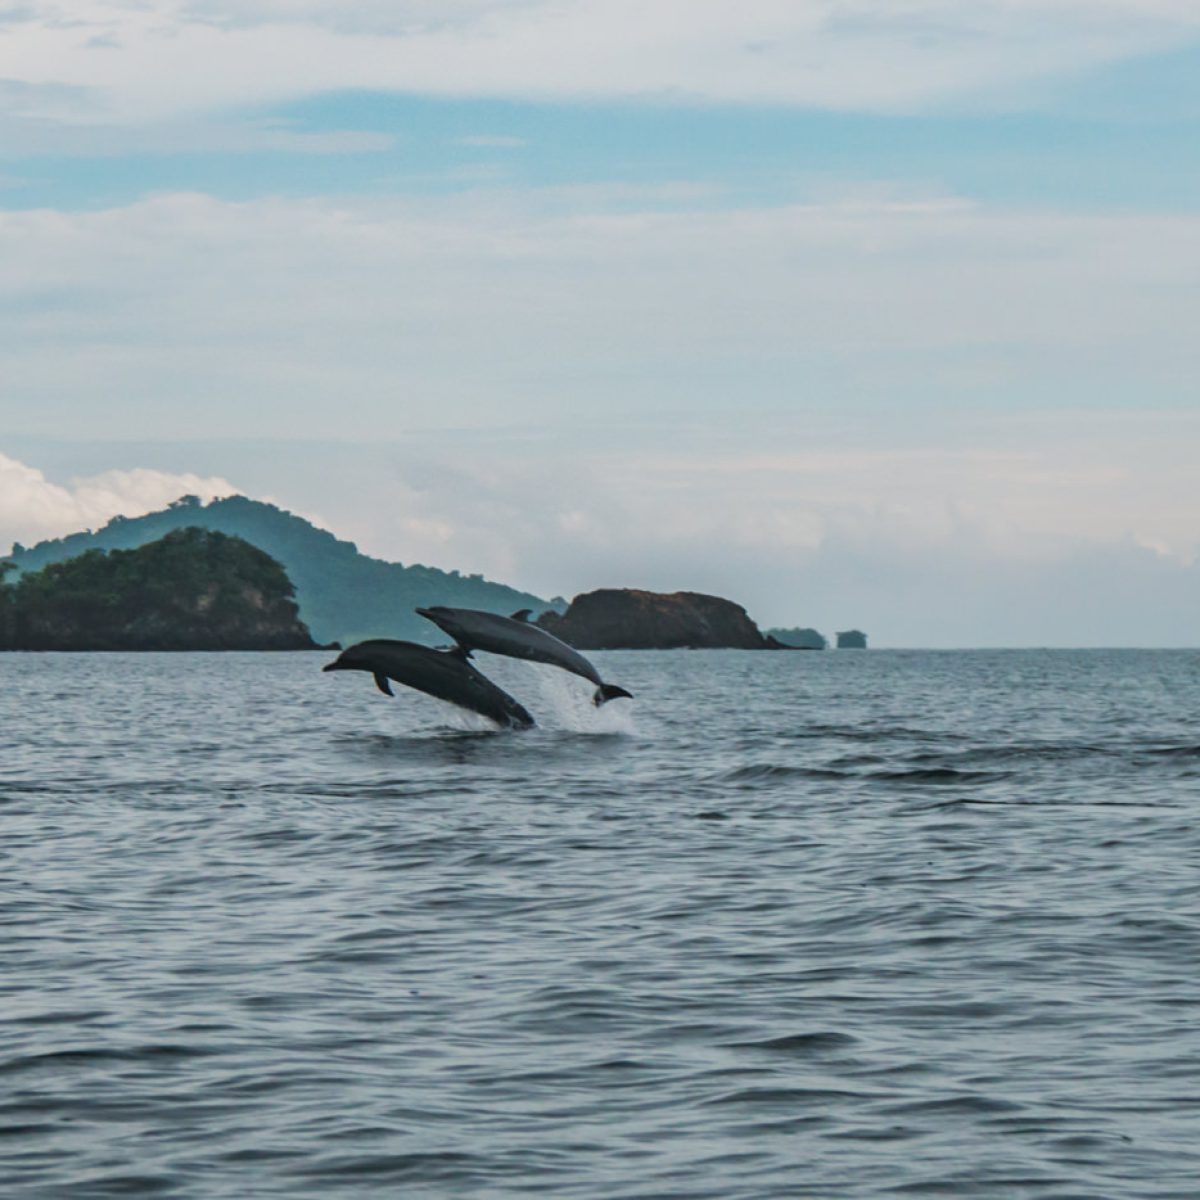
<point x="515" y="637"/>
<point x="445" y="674"/>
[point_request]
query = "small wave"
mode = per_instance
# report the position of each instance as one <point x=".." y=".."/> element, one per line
<point x="123" y="1185"/>
<point x="791" y="1096"/>
<point x="101" y="1056"/>
<point x="426" y="1167"/>
<point x="937" y="775"/>
<point x="769" y="772"/>
<point x="972" y="1105"/>
<point x="869" y="732"/>
<point x="800" y="1043"/>
<point x="1017" y="752"/>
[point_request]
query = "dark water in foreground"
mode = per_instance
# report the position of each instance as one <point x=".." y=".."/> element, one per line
<point x="882" y="924"/>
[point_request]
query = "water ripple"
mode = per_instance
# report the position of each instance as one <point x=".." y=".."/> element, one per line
<point x="785" y="926"/>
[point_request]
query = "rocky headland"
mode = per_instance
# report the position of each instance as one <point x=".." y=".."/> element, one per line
<point x="194" y="589"/>
<point x="629" y="619"/>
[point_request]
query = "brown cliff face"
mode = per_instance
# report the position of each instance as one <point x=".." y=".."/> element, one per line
<point x="627" y="619"/>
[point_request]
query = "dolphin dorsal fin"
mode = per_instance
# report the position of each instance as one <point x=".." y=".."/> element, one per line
<point x="381" y="682"/>
<point x="522" y="614"/>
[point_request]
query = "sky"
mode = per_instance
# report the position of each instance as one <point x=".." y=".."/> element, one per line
<point x="863" y="314"/>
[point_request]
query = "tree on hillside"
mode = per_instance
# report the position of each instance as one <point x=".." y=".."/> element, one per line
<point x="6" y="603"/>
<point x="194" y="589"/>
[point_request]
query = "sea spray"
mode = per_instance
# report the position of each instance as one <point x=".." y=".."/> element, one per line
<point x="445" y="716"/>
<point x="563" y="701"/>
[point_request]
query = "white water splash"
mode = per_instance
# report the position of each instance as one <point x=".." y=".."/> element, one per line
<point x="564" y="701"/>
<point x="459" y="720"/>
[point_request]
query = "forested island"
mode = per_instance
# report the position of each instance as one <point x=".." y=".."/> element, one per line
<point x="194" y="589"/>
<point x="344" y="596"/>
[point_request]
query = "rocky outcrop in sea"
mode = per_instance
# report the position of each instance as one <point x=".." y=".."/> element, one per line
<point x="799" y="639"/>
<point x="630" y="619"/>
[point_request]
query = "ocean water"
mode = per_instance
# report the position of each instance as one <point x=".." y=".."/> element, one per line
<point x="787" y="925"/>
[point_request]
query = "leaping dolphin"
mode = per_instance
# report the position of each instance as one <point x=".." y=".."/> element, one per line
<point x="515" y="637"/>
<point x="445" y="674"/>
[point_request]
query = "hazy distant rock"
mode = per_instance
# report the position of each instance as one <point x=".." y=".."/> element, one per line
<point x="799" y="639"/>
<point x="191" y="590"/>
<point x="852" y="639"/>
<point x="627" y="619"/>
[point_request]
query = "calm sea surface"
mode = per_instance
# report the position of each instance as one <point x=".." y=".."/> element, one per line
<point x="788" y="925"/>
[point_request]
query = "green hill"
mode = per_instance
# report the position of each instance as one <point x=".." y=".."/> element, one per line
<point x="344" y="596"/>
<point x="191" y="590"/>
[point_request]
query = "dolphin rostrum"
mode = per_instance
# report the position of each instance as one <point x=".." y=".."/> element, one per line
<point x="445" y="674"/>
<point x="517" y="638"/>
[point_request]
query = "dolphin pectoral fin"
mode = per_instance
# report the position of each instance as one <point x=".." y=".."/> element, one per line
<point x="522" y="614"/>
<point x="458" y="650"/>
<point x="381" y="682"/>
<point x="609" y="691"/>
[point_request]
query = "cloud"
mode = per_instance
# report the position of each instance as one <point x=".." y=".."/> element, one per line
<point x="490" y="141"/>
<point x="353" y="315"/>
<point x="42" y="121"/>
<point x="146" y="62"/>
<point x="33" y="508"/>
<point x="937" y="546"/>
<point x="35" y="139"/>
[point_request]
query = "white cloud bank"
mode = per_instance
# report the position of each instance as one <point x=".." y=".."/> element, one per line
<point x="33" y="508"/>
<point x="185" y="316"/>
<point x="103" y="60"/>
<point x="1039" y="530"/>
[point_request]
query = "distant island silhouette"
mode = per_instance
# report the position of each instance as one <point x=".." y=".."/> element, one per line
<point x="344" y="596"/>
<point x="195" y="589"/>
<point x="800" y="639"/>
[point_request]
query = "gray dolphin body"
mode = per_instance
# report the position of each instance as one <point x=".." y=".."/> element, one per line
<point x="516" y="638"/>
<point x="445" y="674"/>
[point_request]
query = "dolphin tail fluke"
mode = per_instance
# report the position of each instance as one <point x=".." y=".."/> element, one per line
<point x="610" y="691"/>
